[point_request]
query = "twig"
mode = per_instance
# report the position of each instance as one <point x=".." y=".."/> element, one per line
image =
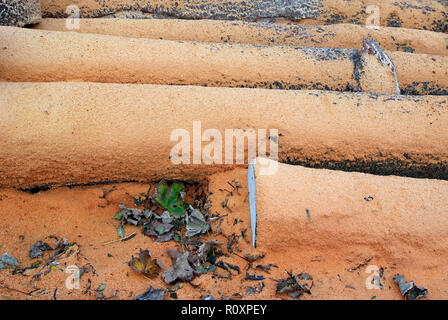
<point x="245" y="259"/>
<point x="360" y="265"/>
<point x="107" y="191"/>
<point x="121" y="239"/>
<point x="16" y="290"/>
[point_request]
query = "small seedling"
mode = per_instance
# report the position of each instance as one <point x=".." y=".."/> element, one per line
<point x="170" y="198"/>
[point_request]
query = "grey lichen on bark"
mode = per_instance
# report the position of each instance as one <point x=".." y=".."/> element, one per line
<point x="19" y="13"/>
<point x="374" y="70"/>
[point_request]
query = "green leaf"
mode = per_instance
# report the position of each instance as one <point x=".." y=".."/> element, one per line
<point x="101" y="287"/>
<point x="120" y="231"/>
<point x="176" y="189"/>
<point x="160" y="229"/>
<point x="177" y="237"/>
<point x="119" y="215"/>
<point x="36" y="263"/>
<point x="162" y="190"/>
<point x="169" y="197"/>
<point x="176" y="210"/>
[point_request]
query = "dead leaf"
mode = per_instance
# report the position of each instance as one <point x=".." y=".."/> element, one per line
<point x="133" y="216"/>
<point x="174" y="254"/>
<point x="207" y="251"/>
<point x="196" y="223"/>
<point x="145" y="265"/>
<point x="267" y="267"/>
<point x="182" y="270"/>
<point x="292" y="286"/>
<point x="255" y="290"/>
<point x="38" y="248"/>
<point x="252" y="258"/>
<point x="162" y="231"/>
<point x="409" y="289"/>
<point x="254" y="277"/>
<point x="227" y="266"/>
<point x="9" y="260"/>
<point x="152" y="294"/>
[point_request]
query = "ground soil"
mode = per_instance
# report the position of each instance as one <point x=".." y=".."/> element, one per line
<point x="81" y="214"/>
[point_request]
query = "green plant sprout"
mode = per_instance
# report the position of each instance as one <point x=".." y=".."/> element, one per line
<point x="170" y="198"/>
